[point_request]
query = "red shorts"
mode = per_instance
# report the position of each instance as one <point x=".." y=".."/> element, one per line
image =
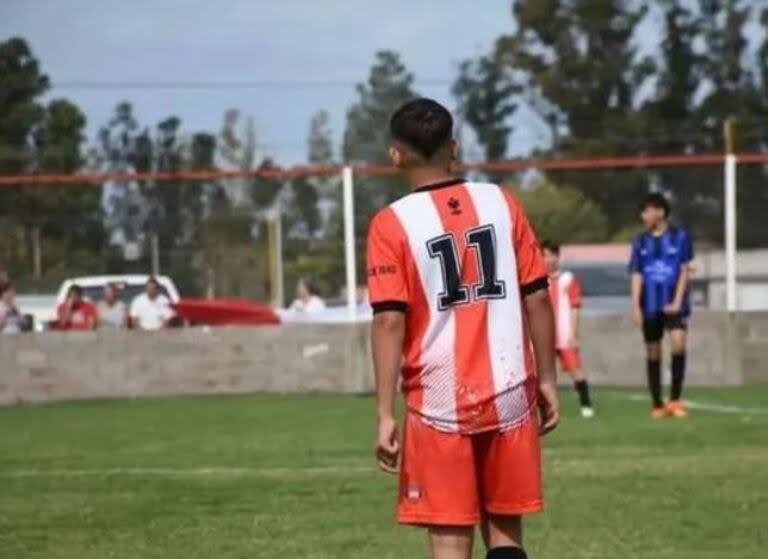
<point x="452" y="479"/>
<point x="570" y="359"/>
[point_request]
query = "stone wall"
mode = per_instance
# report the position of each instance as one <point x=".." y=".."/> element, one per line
<point x="322" y="358"/>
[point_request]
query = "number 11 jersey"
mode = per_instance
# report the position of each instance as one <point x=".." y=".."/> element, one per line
<point x="458" y="257"/>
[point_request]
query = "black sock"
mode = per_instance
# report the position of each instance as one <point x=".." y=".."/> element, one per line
<point x="654" y="381"/>
<point x="509" y="552"/>
<point x="582" y="387"/>
<point x="678" y="374"/>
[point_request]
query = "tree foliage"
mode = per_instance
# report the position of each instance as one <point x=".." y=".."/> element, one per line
<point x="563" y="214"/>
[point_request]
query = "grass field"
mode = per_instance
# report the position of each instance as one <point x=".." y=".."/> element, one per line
<point x="271" y="476"/>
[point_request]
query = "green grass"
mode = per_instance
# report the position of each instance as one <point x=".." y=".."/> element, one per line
<point x="271" y="476"/>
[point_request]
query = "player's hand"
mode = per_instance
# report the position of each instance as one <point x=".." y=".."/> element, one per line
<point x="549" y="407"/>
<point x="637" y="316"/>
<point x="672" y="309"/>
<point x="388" y="445"/>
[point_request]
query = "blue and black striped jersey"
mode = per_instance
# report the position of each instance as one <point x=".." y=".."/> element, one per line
<point x="660" y="259"/>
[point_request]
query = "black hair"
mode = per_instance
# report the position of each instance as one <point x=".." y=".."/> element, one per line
<point x="423" y="125"/>
<point x="658" y="201"/>
<point x="152" y="279"/>
<point x="5" y="287"/>
<point x="74" y="288"/>
<point x="311" y="285"/>
<point x="551" y="246"/>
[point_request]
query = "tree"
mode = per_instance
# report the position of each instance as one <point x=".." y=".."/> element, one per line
<point x="125" y="148"/>
<point x="737" y="92"/>
<point x="47" y="140"/>
<point x="563" y="214"/>
<point x="486" y="102"/>
<point x="315" y="248"/>
<point x="366" y="136"/>
<point x="237" y="150"/>
<point x="21" y="83"/>
<point x="578" y="63"/>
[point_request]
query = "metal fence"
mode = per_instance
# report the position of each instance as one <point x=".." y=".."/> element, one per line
<point x="255" y="233"/>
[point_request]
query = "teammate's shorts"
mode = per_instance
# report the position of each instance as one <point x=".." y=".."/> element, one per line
<point x="570" y="359"/>
<point x="654" y="326"/>
<point x="452" y="479"/>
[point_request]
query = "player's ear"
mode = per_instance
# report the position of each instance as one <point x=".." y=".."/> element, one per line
<point x="397" y="156"/>
<point x="455" y="150"/>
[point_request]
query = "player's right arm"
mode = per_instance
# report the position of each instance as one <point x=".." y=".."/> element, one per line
<point x="636" y="284"/>
<point x="537" y="306"/>
<point x="388" y="292"/>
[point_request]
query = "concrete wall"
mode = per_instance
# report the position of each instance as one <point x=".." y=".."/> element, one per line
<point x="324" y="358"/>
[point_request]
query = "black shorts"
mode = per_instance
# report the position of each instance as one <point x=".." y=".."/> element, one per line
<point x="654" y="326"/>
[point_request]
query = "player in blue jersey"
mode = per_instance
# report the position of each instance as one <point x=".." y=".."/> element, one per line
<point x="661" y="268"/>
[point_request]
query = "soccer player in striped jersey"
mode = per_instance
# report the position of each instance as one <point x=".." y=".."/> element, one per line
<point x="660" y="266"/>
<point x="565" y="293"/>
<point x="462" y="317"/>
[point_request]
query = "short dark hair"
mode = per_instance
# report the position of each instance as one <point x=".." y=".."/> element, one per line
<point x="5" y="287"/>
<point x="311" y="286"/>
<point x="551" y="246"/>
<point x="423" y="125"/>
<point x="74" y="288"/>
<point x="658" y="201"/>
<point x="153" y="280"/>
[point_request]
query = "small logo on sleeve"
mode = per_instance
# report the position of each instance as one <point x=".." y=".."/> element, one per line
<point x="382" y="270"/>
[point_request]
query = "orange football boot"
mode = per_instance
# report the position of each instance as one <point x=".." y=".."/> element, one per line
<point x="676" y="409"/>
<point x="659" y="413"/>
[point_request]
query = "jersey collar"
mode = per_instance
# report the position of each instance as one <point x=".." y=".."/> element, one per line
<point x="439" y="185"/>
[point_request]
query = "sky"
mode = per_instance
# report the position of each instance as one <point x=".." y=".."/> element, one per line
<point x="304" y="41"/>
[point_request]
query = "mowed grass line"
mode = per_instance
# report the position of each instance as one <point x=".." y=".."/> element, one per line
<point x="283" y="476"/>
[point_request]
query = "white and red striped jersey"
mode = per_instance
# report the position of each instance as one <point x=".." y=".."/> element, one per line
<point x="565" y="293"/>
<point x="457" y="257"/>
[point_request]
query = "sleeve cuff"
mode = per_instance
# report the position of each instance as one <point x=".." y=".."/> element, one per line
<point x="384" y="306"/>
<point x="532" y="287"/>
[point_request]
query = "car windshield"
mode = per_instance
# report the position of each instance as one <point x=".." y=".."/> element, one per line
<point x="126" y="291"/>
<point x="602" y="280"/>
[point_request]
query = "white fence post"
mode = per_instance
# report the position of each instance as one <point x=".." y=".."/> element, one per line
<point x="731" y="301"/>
<point x="349" y="241"/>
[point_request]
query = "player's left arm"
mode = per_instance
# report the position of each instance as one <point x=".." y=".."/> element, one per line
<point x="388" y="293"/>
<point x="684" y="277"/>
<point x="533" y="278"/>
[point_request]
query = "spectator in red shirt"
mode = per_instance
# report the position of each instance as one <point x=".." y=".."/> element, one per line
<point x="76" y="313"/>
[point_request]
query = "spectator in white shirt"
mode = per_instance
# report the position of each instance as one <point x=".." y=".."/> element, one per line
<point x="112" y="312"/>
<point x="11" y="320"/>
<point x="151" y="310"/>
<point x="307" y="298"/>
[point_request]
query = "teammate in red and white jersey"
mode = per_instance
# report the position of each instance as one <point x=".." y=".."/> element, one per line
<point x="462" y="314"/>
<point x="565" y="293"/>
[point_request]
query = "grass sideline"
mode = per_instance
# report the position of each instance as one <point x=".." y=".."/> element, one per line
<point x="292" y="476"/>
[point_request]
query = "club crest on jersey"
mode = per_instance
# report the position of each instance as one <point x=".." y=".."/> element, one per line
<point x="455" y="206"/>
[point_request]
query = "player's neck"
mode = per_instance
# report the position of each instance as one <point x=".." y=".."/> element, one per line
<point x="425" y="176"/>
<point x="659" y="229"/>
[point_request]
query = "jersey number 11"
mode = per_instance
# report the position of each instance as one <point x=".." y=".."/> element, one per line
<point x="483" y="241"/>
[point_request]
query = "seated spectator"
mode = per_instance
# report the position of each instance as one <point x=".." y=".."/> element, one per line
<point x="76" y="313"/>
<point x="307" y="298"/>
<point x="151" y="310"/>
<point x="11" y="320"/>
<point x="113" y="313"/>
